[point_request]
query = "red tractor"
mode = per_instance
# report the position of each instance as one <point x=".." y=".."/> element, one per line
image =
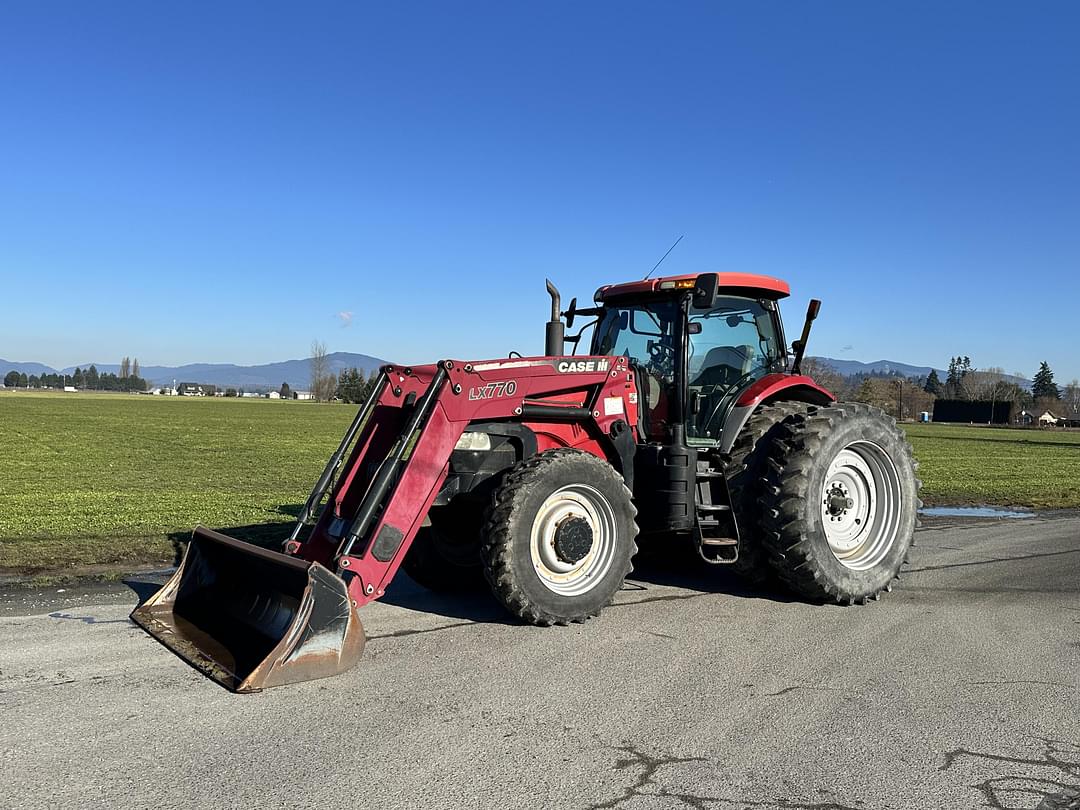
<point x="687" y="420"/>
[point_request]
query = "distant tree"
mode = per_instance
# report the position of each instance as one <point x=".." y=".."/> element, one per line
<point x="323" y="382"/>
<point x="286" y="392"/>
<point x="1043" y="385"/>
<point x="93" y="379"/>
<point x="135" y="367"/>
<point x="351" y="386"/>
<point x="34" y="381"/>
<point x="125" y="368"/>
<point x="1071" y="397"/>
<point x="881" y="392"/>
<point x="230" y="392"/>
<point x="824" y="375"/>
<point x="959" y="368"/>
<point x="865" y="392"/>
<point x="933" y="383"/>
<point x="373" y="379"/>
<point x="11" y="379"/>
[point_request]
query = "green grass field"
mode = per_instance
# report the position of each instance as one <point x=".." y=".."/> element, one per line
<point x="980" y="465"/>
<point x="97" y="479"/>
<point x="101" y="478"/>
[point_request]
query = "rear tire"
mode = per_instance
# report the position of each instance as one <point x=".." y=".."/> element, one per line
<point x="559" y="537"/>
<point x="445" y="554"/>
<point x="746" y="470"/>
<point x="839" y="503"/>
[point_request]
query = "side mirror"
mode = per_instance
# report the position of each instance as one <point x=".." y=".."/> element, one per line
<point x="570" y="313"/>
<point x="705" y="289"/>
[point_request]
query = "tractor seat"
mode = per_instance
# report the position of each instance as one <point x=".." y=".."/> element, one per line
<point x="723" y="365"/>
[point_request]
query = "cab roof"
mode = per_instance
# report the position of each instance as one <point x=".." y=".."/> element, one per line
<point x="749" y="284"/>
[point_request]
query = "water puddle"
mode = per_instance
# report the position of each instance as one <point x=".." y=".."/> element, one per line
<point x="974" y="512"/>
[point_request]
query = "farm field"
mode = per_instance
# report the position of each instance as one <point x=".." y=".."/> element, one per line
<point x="960" y="464"/>
<point x="99" y="479"/>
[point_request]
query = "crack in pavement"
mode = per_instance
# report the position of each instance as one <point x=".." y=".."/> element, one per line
<point x="993" y="560"/>
<point x="1016" y="683"/>
<point x="787" y="689"/>
<point x="416" y="632"/>
<point x="89" y="619"/>
<point x="1054" y="794"/>
<point x="651" y="764"/>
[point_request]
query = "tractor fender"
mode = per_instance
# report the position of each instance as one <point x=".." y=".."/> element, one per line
<point x="770" y="388"/>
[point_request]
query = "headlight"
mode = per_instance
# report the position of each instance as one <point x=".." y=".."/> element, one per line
<point x="473" y="441"/>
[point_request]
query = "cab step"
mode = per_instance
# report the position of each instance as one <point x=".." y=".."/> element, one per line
<point x="716" y="535"/>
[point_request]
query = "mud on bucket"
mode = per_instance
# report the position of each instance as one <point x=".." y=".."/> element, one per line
<point x="251" y="618"/>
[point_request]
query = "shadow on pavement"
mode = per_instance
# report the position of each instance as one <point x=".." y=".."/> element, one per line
<point x="477" y="606"/>
<point x="679" y="567"/>
<point x="662" y="563"/>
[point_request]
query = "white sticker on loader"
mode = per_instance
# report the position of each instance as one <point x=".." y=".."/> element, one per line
<point x="613" y="406"/>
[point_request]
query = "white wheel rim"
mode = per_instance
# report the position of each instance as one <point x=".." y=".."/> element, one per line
<point x="573" y="578"/>
<point x="860" y="505"/>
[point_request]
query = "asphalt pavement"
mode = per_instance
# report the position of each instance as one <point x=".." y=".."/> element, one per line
<point x="957" y="690"/>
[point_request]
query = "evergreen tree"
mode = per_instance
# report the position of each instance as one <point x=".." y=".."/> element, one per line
<point x="1043" y="386"/>
<point x="93" y="380"/>
<point x="11" y="379"/>
<point x="865" y="392"/>
<point x="286" y="391"/>
<point x="959" y="368"/>
<point x="933" y="383"/>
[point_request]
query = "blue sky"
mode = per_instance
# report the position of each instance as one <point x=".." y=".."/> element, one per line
<point x="217" y="182"/>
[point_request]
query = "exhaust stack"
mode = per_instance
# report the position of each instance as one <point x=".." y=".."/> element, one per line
<point x="555" y="334"/>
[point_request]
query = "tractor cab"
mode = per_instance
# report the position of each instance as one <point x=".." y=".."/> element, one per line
<point x="696" y="343"/>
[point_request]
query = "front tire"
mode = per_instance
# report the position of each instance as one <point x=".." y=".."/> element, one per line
<point x="840" y="502"/>
<point x="559" y="537"/>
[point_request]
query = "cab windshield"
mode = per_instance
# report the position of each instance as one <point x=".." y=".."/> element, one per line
<point x="730" y="344"/>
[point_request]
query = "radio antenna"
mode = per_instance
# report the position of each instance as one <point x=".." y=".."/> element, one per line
<point x="663" y="257"/>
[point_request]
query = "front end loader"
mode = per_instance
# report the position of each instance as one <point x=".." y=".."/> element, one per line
<point x="688" y="421"/>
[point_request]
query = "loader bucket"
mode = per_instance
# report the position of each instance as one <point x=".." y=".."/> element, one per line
<point x="251" y="618"/>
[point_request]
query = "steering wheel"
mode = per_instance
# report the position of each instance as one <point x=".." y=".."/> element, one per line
<point x="661" y="358"/>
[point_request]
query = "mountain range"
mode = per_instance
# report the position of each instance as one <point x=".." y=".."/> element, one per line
<point x="878" y="367"/>
<point x="888" y="367"/>
<point x="297" y="373"/>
